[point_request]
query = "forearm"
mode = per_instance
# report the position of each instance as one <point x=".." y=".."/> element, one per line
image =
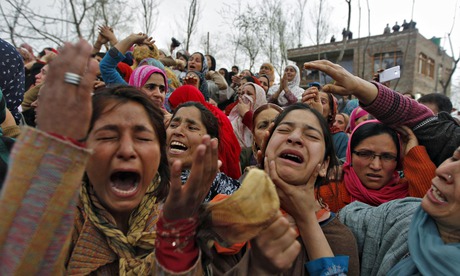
<point x="108" y="67"/>
<point x="42" y="185"/>
<point x="290" y="97"/>
<point x="313" y="237"/>
<point x="124" y="45"/>
<point x="393" y="109"/>
<point x="176" y="247"/>
<point x="367" y="91"/>
<point x="96" y="48"/>
<point x="218" y="79"/>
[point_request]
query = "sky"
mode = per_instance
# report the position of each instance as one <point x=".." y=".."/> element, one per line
<point x="434" y="18"/>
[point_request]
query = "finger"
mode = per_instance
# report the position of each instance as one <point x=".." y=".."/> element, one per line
<point x="274" y="231"/>
<point x="197" y="170"/>
<point x="85" y="88"/>
<point x="335" y="89"/>
<point x="175" y="186"/>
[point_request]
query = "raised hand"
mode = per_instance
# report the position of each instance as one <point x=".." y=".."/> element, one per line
<point x="295" y="200"/>
<point x="65" y="107"/>
<point x="275" y="248"/>
<point x="183" y="201"/>
<point x="311" y="97"/>
<point x="408" y="138"/>
<point x="345" y="83"/>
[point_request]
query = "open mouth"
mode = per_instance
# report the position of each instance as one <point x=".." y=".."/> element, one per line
<point x="124" y="183"/>
<point x="292" y="157"/>
<point x="371" y="175"/>
<point x="438" y="195"/>
<point x="177" y="147"/>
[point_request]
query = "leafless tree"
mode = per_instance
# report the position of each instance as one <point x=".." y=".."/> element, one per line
<point x="319" y="16"/>
<point x="344" y="46"/>
<point x="250" y="40"/>
<point x="149" y="15"/>
<point x="446" y="82"/>
<point x="192" y="21"/>
<point x="299" y="16"/>
<point x="65" y="21"/>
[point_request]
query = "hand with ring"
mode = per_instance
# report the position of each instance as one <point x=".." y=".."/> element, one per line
<point x="65" y="101"/>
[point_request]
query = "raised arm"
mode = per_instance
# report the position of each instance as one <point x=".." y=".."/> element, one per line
<point x="439" y="134"/>
<point x="39" y="197"/>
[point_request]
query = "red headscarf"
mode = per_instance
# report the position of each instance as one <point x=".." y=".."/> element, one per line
<point x="392" y="190"/>
<point x="229" y="149"/>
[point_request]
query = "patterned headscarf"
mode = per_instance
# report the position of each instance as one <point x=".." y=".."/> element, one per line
<point x="130" y="248"/>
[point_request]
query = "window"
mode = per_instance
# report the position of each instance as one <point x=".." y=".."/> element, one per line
<point x="387" y="60"/>
<point x="426" y="65"/>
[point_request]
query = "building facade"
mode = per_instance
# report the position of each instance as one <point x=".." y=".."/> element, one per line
<point x="422" y="61"/>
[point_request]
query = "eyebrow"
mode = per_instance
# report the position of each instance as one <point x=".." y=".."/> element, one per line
<point x="187" y="120"/>
<point x="306" y="126"/>
<point x="136" y="128"/>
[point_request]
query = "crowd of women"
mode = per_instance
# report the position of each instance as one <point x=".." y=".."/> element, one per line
<point x="135" y="163"/>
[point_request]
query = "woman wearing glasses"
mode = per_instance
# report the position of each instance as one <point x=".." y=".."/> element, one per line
<point x="371" y="171"/>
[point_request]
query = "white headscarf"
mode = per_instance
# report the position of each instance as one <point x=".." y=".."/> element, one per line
<point x="293" y="86"/>
<point x="243" y="133"/>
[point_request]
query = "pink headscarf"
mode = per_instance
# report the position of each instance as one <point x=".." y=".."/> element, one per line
<point x="355" y="115"/>
<point x="140" y="76"/>
<point x="392" y="190"/>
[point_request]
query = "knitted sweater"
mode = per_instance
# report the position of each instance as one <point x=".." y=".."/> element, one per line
<point x="439" y="134"/>
<point x="418" y="171"/>
<point x="381" y="232"/>
<point x="37" y="204"/>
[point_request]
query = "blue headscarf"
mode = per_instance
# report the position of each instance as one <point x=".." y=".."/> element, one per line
<point x="429" y="255"/>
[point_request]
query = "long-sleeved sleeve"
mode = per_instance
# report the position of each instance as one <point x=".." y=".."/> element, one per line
<point x="381" y="232"/>
<point x="393" y="109"/>
<point x="419" y="170"/>
<point x="38" y="204"/>
<point x="439" y="134"/>
<point x="108" y="67"/>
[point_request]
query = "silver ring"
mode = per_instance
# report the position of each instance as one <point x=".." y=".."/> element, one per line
<point x="449" y="177"/>
<point x="72" y="78"/>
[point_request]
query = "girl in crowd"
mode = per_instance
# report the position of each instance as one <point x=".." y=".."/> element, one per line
<point x="252" y="96"/>
<point x="197" y="79"/>
<point x="267" y="69"/>
<point x="404" y="237"/>
<point x="265" y="82"/>
<point x="263" y="116"/>
<point x="341" y="121"/>
<point x="288" y="91"/>
<point x="326" y="104"/>
<point x="229" y="149"/>
<point x="198" y="62"/>
<point x="123" y="224"/>
<point x="190" y="121"/>
<point x="370" y="173"/>
<point x="299" y="155"/>
<point x="357" y="116"/>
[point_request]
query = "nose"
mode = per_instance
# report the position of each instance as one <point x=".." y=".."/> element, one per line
<point x="295" y="137"/>
<point x="126" y="149"/>
<point x="376" y="163"/>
